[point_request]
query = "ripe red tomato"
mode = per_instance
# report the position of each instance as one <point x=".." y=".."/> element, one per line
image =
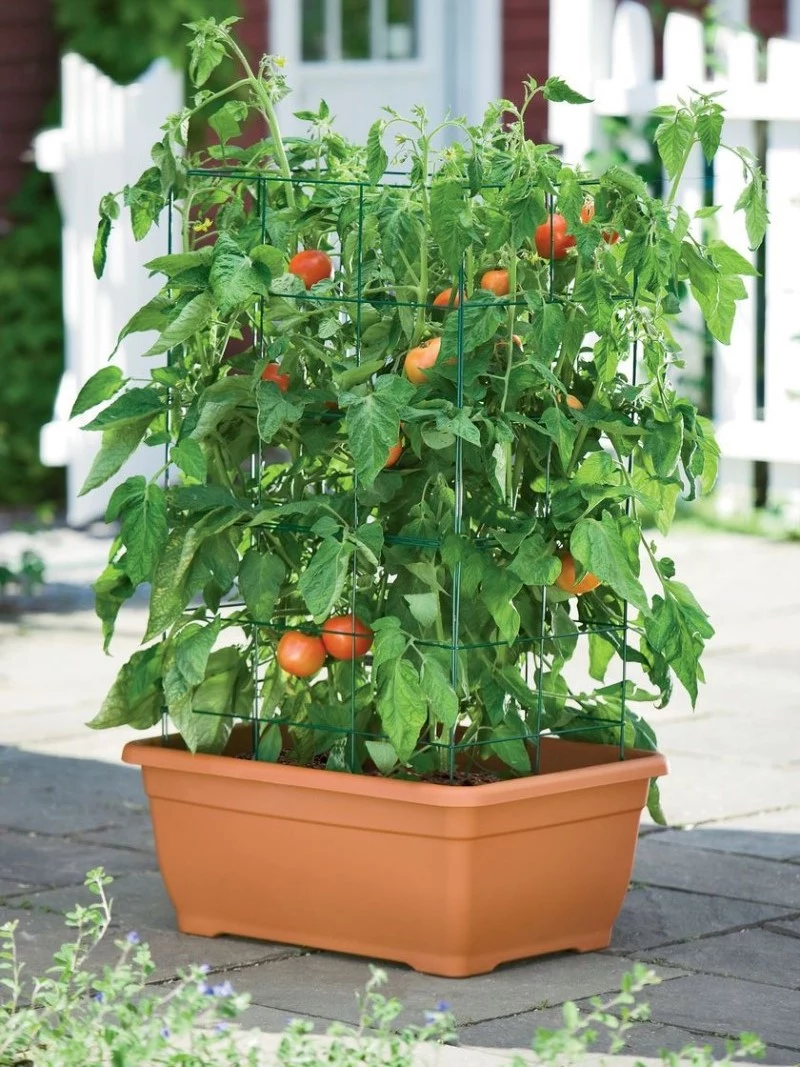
<point x="610" y="237"/>
<point x="554" y="229"/>
<point x="496" y="281"/>
<point x="272" y="373"/>
<point x="442" y="300"/>
<point x="311" y="265"/>
<point x="300" y="654"/>
<point x="346" y="637"/>
<point x="420" y="359"/>
<point x="395" y="452"/>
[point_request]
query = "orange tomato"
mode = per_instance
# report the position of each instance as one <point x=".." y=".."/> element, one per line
<point x="420" y="359"/>
<point x="443" y="299"/>
<point x="496" y="281"/>
<point x="395" y="452"/>
<point x="566" y="579"/>
<point x="574" y="403"/>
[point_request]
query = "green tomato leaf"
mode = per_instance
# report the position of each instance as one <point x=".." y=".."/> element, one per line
<point x="322" y="582"/>
<point x="189" y="457"/>
<point x="401" y="706"/>
<point x="535" y="563"/>
<point x="118" y="444"/>
<point x="261" y="576"/>
<point x="274" y="410"/>
<point x="136" y="698"/>
<point x="193" y="317"/>
<point x="373" y="428"/>
<point x="603" y="547"/>
<point x="235" y="278"/>
<point x="557" y="91"/>
<point x="442" y="698"/>
<point x="451" y="221"/>
<point x="377" y="159"/>
<point x="101" y="386"/>
<point x="131" y="407"/>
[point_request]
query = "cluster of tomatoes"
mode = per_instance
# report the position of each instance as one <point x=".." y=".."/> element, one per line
<point x="342" y="637"/>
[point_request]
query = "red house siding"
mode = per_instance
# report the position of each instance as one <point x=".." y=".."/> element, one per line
<point x="526" y="27"/>
<point x="28" y="80"/>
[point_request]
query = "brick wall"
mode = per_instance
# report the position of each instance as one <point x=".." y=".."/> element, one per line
<point x="28" y="82"/>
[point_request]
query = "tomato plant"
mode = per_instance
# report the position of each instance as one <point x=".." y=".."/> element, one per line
<point x="528" y="456"/>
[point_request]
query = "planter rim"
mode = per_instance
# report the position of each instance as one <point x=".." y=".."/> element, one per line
<point x="637" y="764"/>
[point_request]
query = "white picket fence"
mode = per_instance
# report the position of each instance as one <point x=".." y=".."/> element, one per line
<point x="606" y="51"/>
<point x="103" y="144"/>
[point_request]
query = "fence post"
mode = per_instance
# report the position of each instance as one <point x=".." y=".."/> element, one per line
<point x="102" y="145"/>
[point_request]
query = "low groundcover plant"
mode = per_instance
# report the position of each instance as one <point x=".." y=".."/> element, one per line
<point x="412" y="410"/>
<point x="79" y="1015"/>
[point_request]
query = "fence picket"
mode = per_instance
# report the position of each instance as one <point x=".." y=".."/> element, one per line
<point x="103" y="144"/>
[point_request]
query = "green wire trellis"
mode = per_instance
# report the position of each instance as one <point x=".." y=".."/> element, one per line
<point x="536" y="642"/>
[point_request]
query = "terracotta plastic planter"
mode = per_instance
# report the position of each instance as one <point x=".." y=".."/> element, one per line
<point x="451" y="880"/>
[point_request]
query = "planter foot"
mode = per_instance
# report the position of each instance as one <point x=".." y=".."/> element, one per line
<point x="199" y="927"/>
<point x="594" y="941"/>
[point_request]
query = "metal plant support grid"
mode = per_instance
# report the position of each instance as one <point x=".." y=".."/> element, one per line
<point x="348" y="304"/>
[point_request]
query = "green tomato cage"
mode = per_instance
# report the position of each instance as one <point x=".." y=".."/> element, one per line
<point x="450" y="555"/>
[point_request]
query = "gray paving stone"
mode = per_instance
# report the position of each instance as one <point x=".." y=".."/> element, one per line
<point x="652" y="916"/>
<point x="645" y="1039"/>
<point x="136" y="833"/>
<point x="40" y="934"/>
<point x="757" y="955"/>
<point x="727" y="1007"/>
<point x="47" y="794"/>
<point x="326" y="984"/>
<point x="771" y="835"/>
<point x="672" y="866"/>
<point x="791" y="927"/>
<point x="31" y="861"/>
<point x="272" y="1020"/>
<point x="137" y="900"/>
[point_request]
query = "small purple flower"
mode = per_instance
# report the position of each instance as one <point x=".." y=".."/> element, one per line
<point x="221" y="1028"/>
<point x="98" y="996"/>
<point x="165" y="1031"/>
<point x="204" y="968"/>
<point x="205" y="989"/>
<point x="133" y="938"/>
<point x="442" y="1005"/>
<point x="224" y="989"/>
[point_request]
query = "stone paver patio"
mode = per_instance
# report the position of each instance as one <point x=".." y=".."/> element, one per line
<point x="714" y="903"/>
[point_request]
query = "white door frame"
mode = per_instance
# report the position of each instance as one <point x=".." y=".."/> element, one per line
<point x="471" y="57"/>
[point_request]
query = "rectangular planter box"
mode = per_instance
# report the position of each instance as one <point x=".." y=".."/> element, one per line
<point x="450" y="880"/>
